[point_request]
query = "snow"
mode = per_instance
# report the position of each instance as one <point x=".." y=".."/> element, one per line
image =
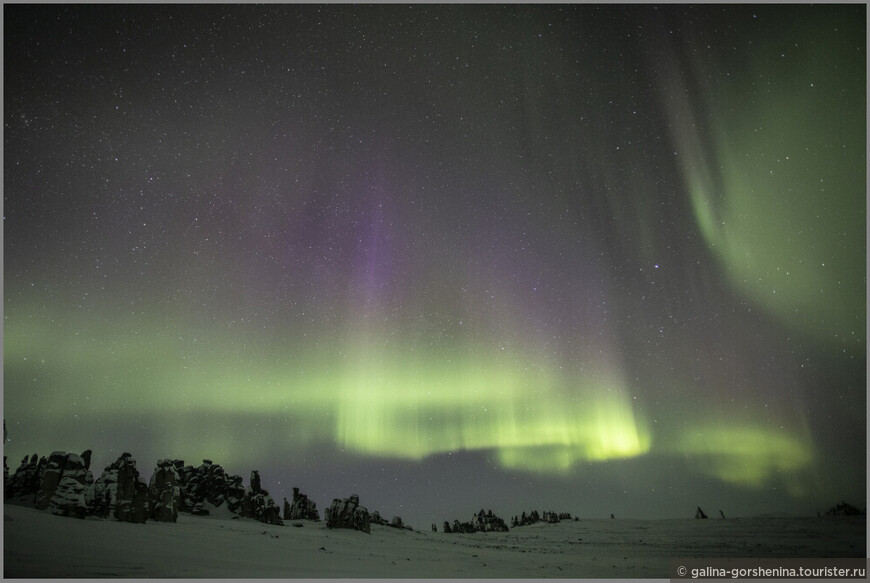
<point x="39" y="544"/>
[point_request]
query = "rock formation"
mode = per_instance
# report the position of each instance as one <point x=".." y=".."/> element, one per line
<point x="50" y="479"/>
<point x="118" y="491"/>
<point x="68" y="497"/>
<point x="208" y="483"/>
<point x="163" y="492"/>
<point x="376" y="518"/>
<point x="259" y="505"/>
<point x="24" y="483"/>
<point x="843" y="509"/>
<point x="58" y="483"/>
<point x="301" y="509"/>
<point x="347" y="513"/>
<point x="700" y="513"/>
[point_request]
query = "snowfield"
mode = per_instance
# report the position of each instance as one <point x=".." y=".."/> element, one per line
<point x="39" y="544"/>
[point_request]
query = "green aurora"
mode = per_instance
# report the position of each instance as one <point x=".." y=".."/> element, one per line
<point x="640" y="249"/>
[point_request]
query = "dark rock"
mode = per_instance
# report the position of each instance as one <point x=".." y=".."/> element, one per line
<point x="376" y="518"/>
<point x="86" y="458"/>
<point x="700" y="513"/>
<point x="434" y="528"/>
<point x="347" y="513"/>
<point x="208" y="483"/>
<point x="446" y="527"/>
<point x="843" y="509"/>
<point x="139" y="510"/>
<point x="257" y="503"/>
<point x="301" y="509"/>
<point x="163" y="492"/>
<point x="50" y="479"/>
<point x="68" y="497"/>
<point x="119" y="491"/>
<point x="396" y="522"/>
<point x="24" y="482"/>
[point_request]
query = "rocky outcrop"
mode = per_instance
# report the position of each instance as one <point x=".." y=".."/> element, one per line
<point x="164" y="492"/>
<point x="24" y="482"/>
<point x="376" y="518"/>
<point x="120" y="493"/>
<point x="58" y="483"/>
<point x="68" y="497"/>
<point x="301" y="509"/>
<point x="843" y="509"/>
<point x="347" y="513"/>
<point x="259" y="505"/>
<point x="208" y="483"/>
<point x="50" y="479"/>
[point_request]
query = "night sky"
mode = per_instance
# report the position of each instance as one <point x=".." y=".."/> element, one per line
<point x="590" y="259"/>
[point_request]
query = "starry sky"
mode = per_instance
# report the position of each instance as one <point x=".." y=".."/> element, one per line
<point x="594" y="259"/>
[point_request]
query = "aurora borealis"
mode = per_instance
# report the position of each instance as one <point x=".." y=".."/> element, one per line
<point x="572" y="257"/>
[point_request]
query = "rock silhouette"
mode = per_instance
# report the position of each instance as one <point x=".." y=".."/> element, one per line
<point x="208" y="483"/>
<point x="301" y="509"/>
<point x="347" y="513"/>
<point x="121" y="492"/>
<point x="258" y="504"/>
<point x="24" y="482"/>
<point x="700" y="513"/>
<point x="843" y="509"/>
<point x="68" y="496"/>
<point x="164" y="493"/>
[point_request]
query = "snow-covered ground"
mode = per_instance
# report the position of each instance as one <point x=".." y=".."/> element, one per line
<point x="39" y="544"/>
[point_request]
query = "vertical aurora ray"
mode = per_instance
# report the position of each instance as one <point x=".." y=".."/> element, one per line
<point x="778" y="190"/>
<point x="395" y="406"/>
